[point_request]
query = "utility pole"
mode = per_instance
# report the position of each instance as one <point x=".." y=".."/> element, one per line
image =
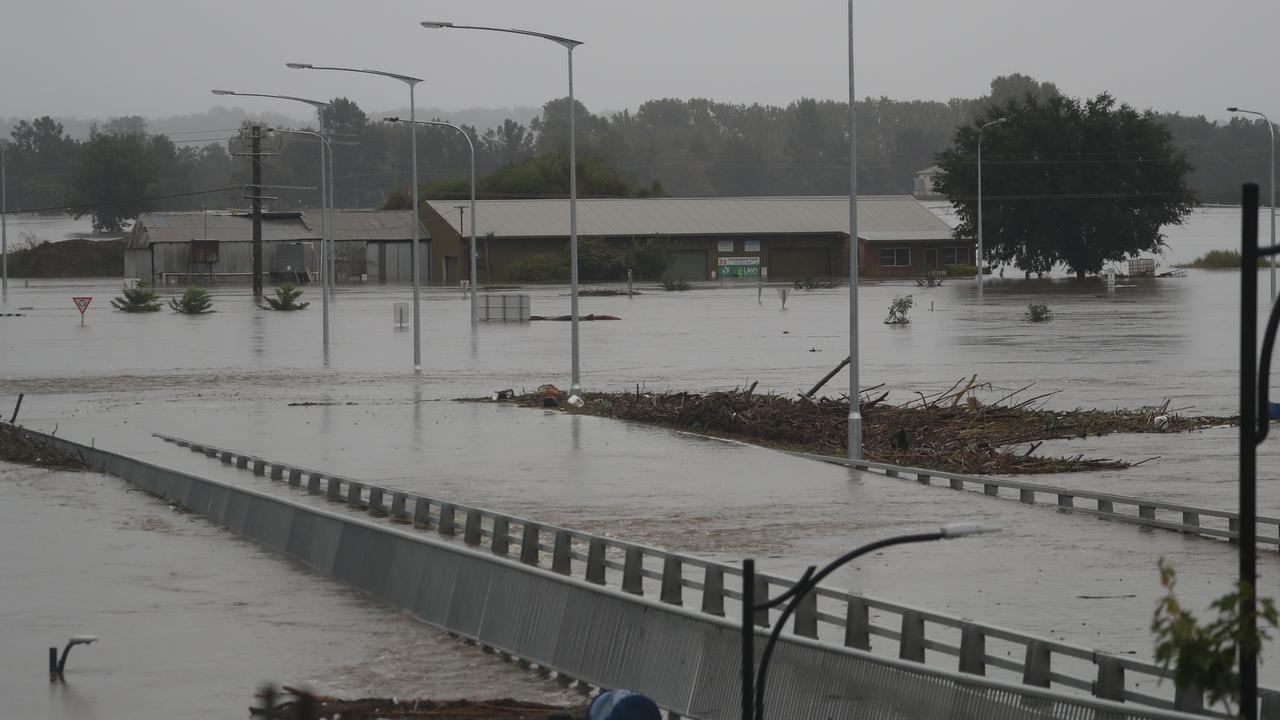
<point x="461" y="234"/>
<point x="257" y="210"/>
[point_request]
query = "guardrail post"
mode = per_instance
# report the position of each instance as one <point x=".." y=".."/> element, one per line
<point x="1190" y="699"/>
<point x="501" y="544"/>
<point x="1146" y="512"/>
<point x="421" y="512"/>
<point x="313" y="483"/>
<point x="211" y="452"/>
<point x="713" y="591"/>
<point x="1066" y="501"/>
<point x="242" y="462"/>
<point x="1110" y="683"/>
<point x="1106" y="506"/>
<point x="399" y="513"/>
<point x="1027" y="496"/>
<point x="973" y="650"/>
<point x="806" y="618"/>
<point x="529" y="544"/>
<point x="335" y="489"/>
<point x="259" y="467"/>
<point x="671" y="581"/>
<point x="353" y="493"/>
<point x="471" y="531"/>
<point x="922" y="478"/>
<point x="1233" y="526"/>
<point x="891" y="473"/>
<point x="991" y="489"/>
<point x="1190" y="519"/>
<point x="277" y="472"/>
<point x="761" y="586"/>
<point x="957" y="484"/>
<point x="447" y="513"/>
<point x="911" y="646"/>
<point x="375" y="501"/>
<point x="196" y="448"/>
<point x="857" y="625"/>
<point x="595" y="561"/>
<point x="226" y="457"/>
<point x="1035" y="670"/>
<point x="1270" y="705"/>
<point x="295" y="477"/>
<point x="560" y="553"/>
<point x="633" y="571"/>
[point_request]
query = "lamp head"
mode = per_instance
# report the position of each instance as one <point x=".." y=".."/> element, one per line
<point x="299" y="66"/>
<point x="436" y="25"/>
<point x="1001" y="120"/>
<point x="1233" y="109"/>
<point x="222" y="92"/>
<point x="963" y="529"/>
<point x="82" y="639"/>
<point x="391" y="119"/>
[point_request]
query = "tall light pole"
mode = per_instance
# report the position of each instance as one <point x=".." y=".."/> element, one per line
<point x="978" y="259"/>
<point x="854" y="421"/>
<point x="4" y="223"/>
<point x="472" y="146"/>
<point x="326" y="218"/>
<point x="575" y="387"/>
<point x="1270" y="128"/>
<point x="413" y="203"/>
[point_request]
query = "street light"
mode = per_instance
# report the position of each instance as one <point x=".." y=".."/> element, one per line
<point x="472" y="146"/>
<point x="1271" y="129"/>
<point x="413" y="204"/>
<point x="326" y="215"/>
<point x="854" y="421"/>
<point x="4" y="224"/>
<point x="575" y="387"/>
<point x="978" y="260"/>
<point x="753" y="681"/>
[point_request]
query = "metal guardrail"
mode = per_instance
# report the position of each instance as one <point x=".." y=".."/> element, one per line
<point x="685" y="659"/>
<point x="1205" y="522"/>
<point x="829" y="615"/>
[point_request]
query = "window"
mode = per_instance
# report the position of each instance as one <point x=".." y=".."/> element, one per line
<point x="895" y="257"/>
<point x="955" y="256"/>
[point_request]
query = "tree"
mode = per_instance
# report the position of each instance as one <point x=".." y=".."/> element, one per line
<point x="1067" y="182"/>
<point x="115" y="175"/>
<point x="194" y="301"/>
<point x="137" y="300"/>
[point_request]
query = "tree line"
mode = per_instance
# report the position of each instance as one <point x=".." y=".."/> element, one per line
<point x="695" y="147"/>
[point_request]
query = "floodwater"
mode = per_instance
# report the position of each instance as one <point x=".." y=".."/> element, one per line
<point x="188" y="613"/>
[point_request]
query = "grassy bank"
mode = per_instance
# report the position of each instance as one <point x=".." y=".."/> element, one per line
<point x="1219" y="260"/>
<point x="68" y="259"/>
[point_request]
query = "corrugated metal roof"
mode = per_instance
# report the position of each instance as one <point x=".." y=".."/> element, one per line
<point x="301" y="226"/>
<point x="888" y="217"/>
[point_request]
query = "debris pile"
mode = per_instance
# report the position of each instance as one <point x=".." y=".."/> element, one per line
<point x="322" y="707"/>
<point x="18" y="447"/>
<point x="950" y="431"/>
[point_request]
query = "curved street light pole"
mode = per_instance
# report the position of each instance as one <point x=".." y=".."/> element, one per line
<point x="753" y="685"/>
<point x="978" y="259"/>
<point x="575" y="387"/>
<point x="413" y="204"/>
<point x="472" y="146"/>
<point x="326" y="216"/>
<point x="1272" y="130"/>
<point x="854" y="421"/>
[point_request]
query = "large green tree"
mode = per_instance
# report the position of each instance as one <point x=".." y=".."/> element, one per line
<point x="1066" y="182"/>
<point x="117" y="177"/>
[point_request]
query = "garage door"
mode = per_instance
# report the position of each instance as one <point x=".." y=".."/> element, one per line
<point x="795" y="263"/>
<point x="689" y="265"/>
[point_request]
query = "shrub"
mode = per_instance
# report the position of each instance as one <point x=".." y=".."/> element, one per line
<point x="1038" y="312"/>
<point x="599" y="261"/>
<point x="1221" y="260"/>
<point x="541" y="268"/>
<point x="286" y="298"/>
<point x="675" y="285"/>
<point x="898" y="310"/>
<point x="194" y="301"/>
<point x="961" y="270"/>
<point x="137" y="300"/>
<point x="811" y="284"/>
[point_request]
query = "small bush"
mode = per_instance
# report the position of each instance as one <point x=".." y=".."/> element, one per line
<point x="898" y="310"/>
<point x="541" y="268"/>
<point x="1038" y="312"/>
<point x="195" y="301"/>
<point x="961" y="270"/>
<point x="137" y="300"/>
<point x="675" y="285"/>
<point x="1221" y="260"/>
<point x="286" y="298"/>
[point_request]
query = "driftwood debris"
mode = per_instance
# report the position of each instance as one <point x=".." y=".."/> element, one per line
<point x="18" y="447"/>
<point x="951" y="431"/>
<point x="323" y="707"/>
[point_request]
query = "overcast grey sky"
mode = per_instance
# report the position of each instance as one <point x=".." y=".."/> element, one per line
<point x="90" y="58"/>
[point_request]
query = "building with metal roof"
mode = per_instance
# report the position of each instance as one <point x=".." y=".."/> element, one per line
<point x="782" y="237"/>
<point x="217" y="246"/>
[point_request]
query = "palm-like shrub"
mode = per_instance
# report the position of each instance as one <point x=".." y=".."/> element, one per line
<point x="286" y="298"/>
<point x="137" y="300"/>
<point x="195" y="301"/>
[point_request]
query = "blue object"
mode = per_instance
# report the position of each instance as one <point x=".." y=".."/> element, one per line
<point x="623" y="705"/>
<point x="1273" y="411"/>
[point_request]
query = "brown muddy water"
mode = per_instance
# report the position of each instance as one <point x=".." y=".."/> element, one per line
<point x="191" y="617"/>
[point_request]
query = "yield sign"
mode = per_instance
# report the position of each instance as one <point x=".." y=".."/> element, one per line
<point x="82" y="303"/>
